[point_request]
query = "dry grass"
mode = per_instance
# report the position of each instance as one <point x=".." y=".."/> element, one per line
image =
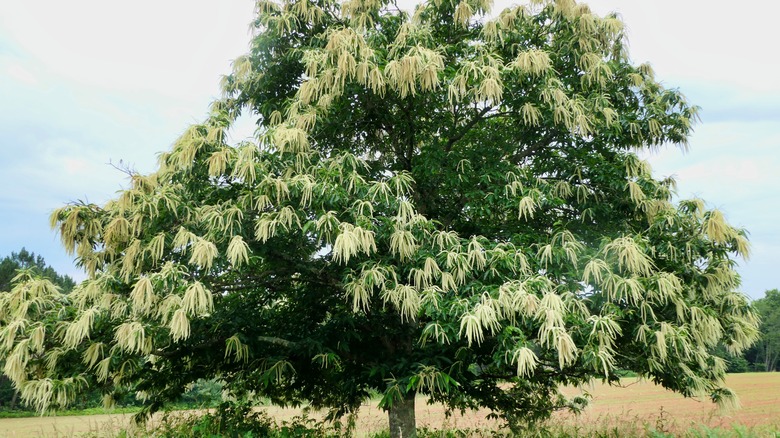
<point x="65" y="426"/>
<point x="642" y="402"/>
<point x="636" y="406"/>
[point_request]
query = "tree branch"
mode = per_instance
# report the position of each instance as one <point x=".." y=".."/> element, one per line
<point x="478" y="118"/>
<point x="277" y="341"/>
<point x="544" y="141"/>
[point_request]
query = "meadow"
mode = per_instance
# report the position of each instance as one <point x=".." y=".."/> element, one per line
<point x="636" y="408"/>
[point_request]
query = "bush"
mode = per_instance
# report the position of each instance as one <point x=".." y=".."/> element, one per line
<point x="738" y="365"/>
<point x="448" y="433"/>
<point x="239" y="419"/>
<point x="204" y="393"/>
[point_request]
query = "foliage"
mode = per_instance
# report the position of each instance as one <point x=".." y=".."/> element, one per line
<point x="172" y="425"/>
<point x="449" y="433"/>
<point x="737" y="364"/>
<point x="239" y="419"/>
<point x="734" y="364"/>
<point x="7" y="393"/>
<point x="203" y="394"/>
<point x="9" y="268"/>
<point x="445" y="204"/>
<point x="25" y="260"/>
<point x="766" y="352"/>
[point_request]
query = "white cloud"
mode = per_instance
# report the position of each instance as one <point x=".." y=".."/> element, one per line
<point x="703" y="40"/>
<point x="759" y="274"/>
<point x="86" y="82"/>
<point x="733" y="166"/>
<point x="726" y="158"/>
<point x="20" y="73"/>
<point x="166" y="46"/>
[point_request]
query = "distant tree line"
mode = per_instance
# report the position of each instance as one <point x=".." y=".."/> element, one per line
<point x="764" y="355"/>
<point x="25" y="260"/>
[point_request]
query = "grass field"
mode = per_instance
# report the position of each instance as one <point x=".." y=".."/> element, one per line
<point x="643" y="403"/>
<point x="637" y="405"/>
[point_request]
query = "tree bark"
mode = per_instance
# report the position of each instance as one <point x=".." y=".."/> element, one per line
<point x="770" y="359"/>
<point x="402" y="421"/>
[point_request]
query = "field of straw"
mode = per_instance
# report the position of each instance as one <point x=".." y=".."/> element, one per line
<point x="635" y="406"/>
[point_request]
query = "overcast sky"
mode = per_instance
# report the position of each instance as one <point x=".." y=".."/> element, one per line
<point x="88" y="82"/>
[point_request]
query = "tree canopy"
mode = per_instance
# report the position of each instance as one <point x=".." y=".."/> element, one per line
<point x="448" y="204"/>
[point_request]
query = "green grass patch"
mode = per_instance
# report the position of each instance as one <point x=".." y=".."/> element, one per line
<point x="68" y="412"/>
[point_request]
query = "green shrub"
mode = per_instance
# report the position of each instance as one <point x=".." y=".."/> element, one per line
<point x="203" y="394"/>
<point x="240" y="419"/>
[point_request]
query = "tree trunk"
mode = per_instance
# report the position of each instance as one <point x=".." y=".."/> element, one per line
<point x="402" y="421"/>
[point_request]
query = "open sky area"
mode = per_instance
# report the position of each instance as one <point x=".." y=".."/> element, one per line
<point x="85" y="83"/>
